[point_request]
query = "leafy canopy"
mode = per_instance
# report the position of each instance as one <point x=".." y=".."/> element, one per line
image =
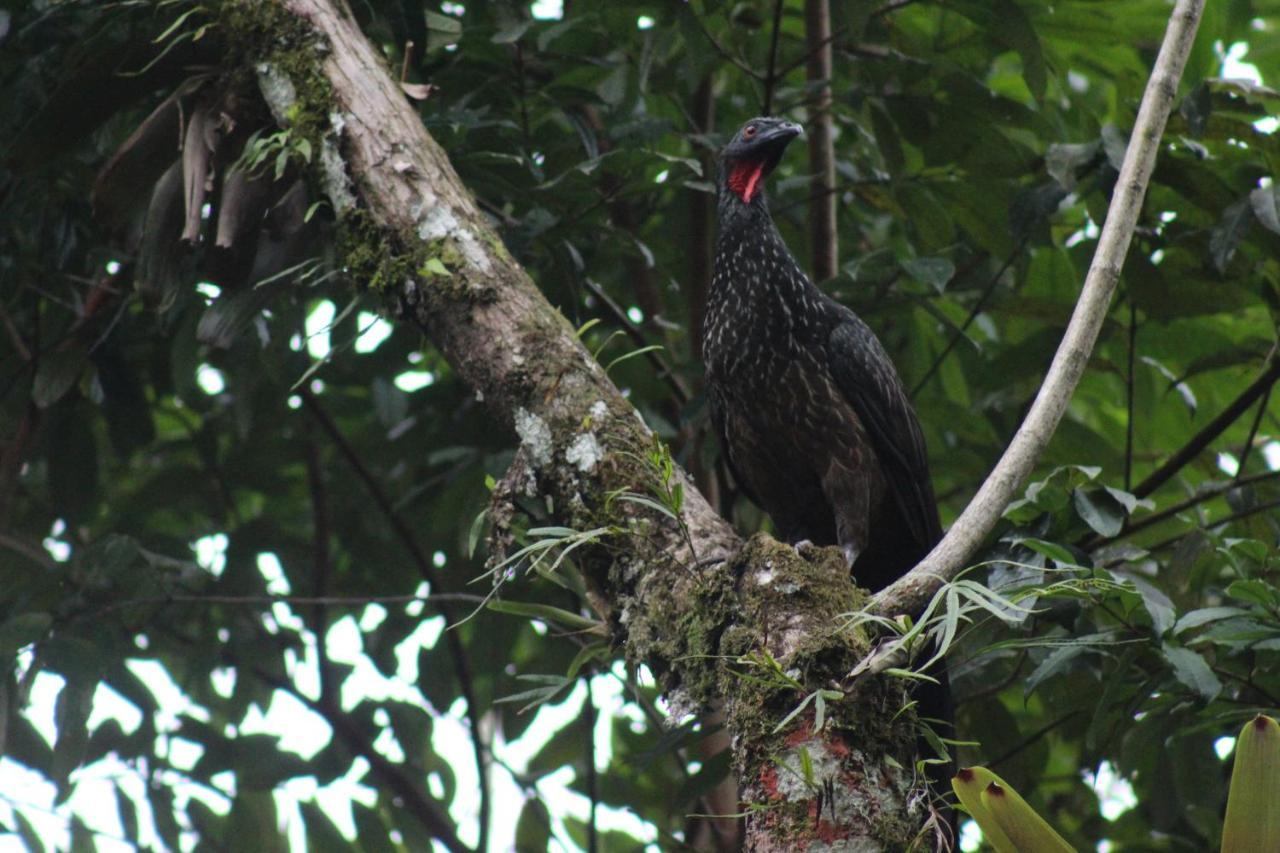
<point x="182" y="448"/>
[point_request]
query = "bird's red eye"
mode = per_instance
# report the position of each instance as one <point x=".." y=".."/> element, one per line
<point x="749" y="131"/>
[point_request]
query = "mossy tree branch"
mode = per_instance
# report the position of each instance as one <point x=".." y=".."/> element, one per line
<point x="755" y="623"/>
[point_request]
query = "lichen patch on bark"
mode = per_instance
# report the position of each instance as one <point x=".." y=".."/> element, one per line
<point x="535" y="437"/>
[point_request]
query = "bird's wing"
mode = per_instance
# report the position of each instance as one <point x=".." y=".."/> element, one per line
<point x="865" y="376"/>
<point x="719" y="422"/>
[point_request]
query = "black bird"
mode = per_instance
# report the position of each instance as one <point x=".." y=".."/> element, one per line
<point x="811" y="414"/>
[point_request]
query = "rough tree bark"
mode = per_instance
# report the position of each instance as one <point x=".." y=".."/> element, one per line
<point x="687" y="597"/>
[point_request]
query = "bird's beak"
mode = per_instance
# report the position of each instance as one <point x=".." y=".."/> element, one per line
<point x="781" y="134"/>
<point x="773" y="141"/>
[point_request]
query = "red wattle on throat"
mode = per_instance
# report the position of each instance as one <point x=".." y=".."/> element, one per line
<point x="745" y="179"/>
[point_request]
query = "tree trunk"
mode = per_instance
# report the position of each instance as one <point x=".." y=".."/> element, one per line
<point x="824" y="239"/>
<point x="710" y="616"/>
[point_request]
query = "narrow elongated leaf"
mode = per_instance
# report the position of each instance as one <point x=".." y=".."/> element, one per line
<point x="546" y="613"/>
<point x="1022" y="825"/>
<point x="1204" y="616"/>
<point x="1253" y="806"/>
<point x="969" y="784"/>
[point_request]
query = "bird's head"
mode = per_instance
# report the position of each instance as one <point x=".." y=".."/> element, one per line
<point x="753" y="153"/>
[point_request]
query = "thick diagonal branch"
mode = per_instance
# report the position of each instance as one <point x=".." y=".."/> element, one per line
<point x="710" y="616"/>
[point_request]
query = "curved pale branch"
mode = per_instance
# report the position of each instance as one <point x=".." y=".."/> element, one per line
<point x="912" y="591"/>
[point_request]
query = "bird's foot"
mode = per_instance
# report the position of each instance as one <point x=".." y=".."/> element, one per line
<point x="803" y="547"/>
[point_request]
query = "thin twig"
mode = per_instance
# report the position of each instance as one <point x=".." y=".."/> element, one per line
<point x="892" y="6"/>
<point x="309" y="600"/>
<point x="1128" y="396"/>
<point x="593" y="782"/>
<point x="911" y="592"/>
<point x="959" y="333"/>
<point x="15" y="337"/>
<point x="1168" y="512"/>
<point x="770" y="80"/>
<point x="320" y="560"/>
<point x="397" y="778"/>
<point x="291" y="600"/>
<point x="1222" y="522"/>
<point x="461" y="664"/>
<point x="809" y="53"/>
<point x="1031" y="738"/>
<point x="1248" y="682"/>
<point x="783" y="209"/>
<point x="665" y="371"/>
<point x="1253" y="432"/>
<point x="32" y="552"/>
<point x="408" y="59"/>
<point x="720" y="49"/>
<point x="1211" y="430"/>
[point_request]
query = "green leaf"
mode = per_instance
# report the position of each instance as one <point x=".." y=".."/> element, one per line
<point x="22" y="630"/>
<point x="322" y="835"/>
<point x="1055" y="663"/>
<point x="1196" y="108"/>
<point x="1206" y="616"/>
<point x="1228" y="233"/>
<point x="128" y="814"/>
<point x="253" y="815"/>
<point x="434" y="266"/>
<point x="614" y="87"/>
<point x="1192" y="670"/>
<point x="511" y="33"/>
<point x="130" y="424"/>
<point x="930" y="219"/>
<point x="1100" y="511"/>
<point x="1266" y="207"/>
<point x="372" y="830"/>
<point x="1010" y="24"/>
<point x="1060" y="554"/>
<point x="57" y="372"/>
<point x="546" y="613"/>
<point x="1161" y="609"/>
<point x="1255" y="592"/>
<point x="533" y="827"/>
<point x="935" y="271"/>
